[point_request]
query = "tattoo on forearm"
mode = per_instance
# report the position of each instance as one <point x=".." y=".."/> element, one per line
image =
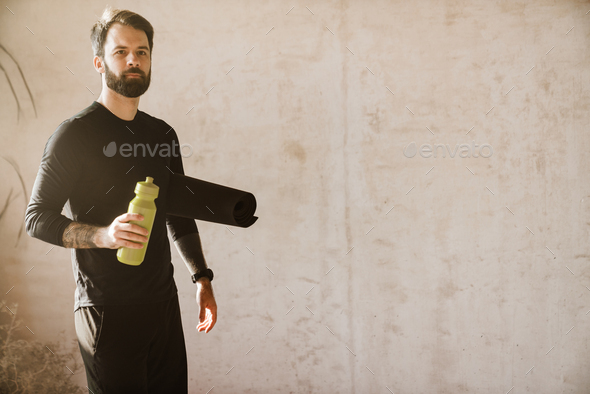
<point x="80" y="236"/>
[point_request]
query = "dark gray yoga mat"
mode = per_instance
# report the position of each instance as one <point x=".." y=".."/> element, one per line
<point x="197" y="199"/>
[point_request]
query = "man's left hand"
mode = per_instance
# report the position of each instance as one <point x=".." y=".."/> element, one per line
<point x="206" y="304"/>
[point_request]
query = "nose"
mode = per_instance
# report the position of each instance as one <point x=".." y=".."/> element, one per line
<point x="133" y="60"/>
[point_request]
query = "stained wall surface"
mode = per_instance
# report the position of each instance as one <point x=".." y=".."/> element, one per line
<point x="375" y="267"/>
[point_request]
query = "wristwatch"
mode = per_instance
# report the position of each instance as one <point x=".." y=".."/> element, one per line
<point x="206" y="273"/>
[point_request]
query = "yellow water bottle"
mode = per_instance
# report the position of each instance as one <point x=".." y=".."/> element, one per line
<point x="143" y="203"/>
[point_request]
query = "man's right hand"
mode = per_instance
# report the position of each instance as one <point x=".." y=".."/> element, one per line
<point x="118" y="234"/>
<point x="122" y="234"/>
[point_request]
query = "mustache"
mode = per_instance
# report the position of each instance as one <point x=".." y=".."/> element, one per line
<point x="135" y="71"/>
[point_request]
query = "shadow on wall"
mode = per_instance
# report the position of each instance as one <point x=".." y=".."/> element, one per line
<point x="10" y="198"/>
<point x="22" y="94"/>
<point x="9" y="65"/>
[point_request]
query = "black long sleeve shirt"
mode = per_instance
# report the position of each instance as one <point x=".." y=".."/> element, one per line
<point x="92" y="163"/>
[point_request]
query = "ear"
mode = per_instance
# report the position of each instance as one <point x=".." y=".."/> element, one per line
<point x="99" y="65"/>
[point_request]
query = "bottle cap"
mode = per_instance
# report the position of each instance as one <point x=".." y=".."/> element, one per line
<point x="148" y="187"/>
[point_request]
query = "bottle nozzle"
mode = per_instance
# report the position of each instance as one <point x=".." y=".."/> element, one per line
<point x="148" y="187"/>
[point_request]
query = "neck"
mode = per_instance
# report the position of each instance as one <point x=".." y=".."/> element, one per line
<point x="123" y="107"/>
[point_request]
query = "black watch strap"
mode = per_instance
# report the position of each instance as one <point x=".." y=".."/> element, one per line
<point x="206" y="273"/>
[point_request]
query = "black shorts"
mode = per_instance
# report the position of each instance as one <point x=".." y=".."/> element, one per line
<point x="133" y="349"/>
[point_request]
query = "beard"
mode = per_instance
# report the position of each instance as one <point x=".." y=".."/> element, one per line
<point x="126" y="86"/>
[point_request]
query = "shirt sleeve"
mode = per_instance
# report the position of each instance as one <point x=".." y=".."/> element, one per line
<point x="179" y="226"/>
<point x="60" y="168"/>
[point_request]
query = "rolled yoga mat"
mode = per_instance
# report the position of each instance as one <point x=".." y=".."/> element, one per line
<point x="197" y="199"/>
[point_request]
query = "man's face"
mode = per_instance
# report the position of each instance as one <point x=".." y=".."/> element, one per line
<point x="127" y="51"/>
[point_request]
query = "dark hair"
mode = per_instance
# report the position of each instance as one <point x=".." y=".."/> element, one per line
<point x="98" y="33"/>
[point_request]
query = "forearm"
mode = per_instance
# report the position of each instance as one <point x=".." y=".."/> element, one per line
<point x="189" y="248"/>
<point x="82" y="236"/>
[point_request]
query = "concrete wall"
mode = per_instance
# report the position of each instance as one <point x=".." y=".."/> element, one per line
<point x="389" y="273"/>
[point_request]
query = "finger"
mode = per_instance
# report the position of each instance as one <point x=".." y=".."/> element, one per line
<point x="129" y="244"/>
<point x="130" y="216"/>
<point x="202" y="326"/>
<point x="135" y="216"/>
<point x="213" y="319"/>
<point x="136" y="229"/>
<point x="208" y="326"/>
<point x="203" y="320"/>
<point x="139" y="230"/>
<point x="133" y="236"/>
